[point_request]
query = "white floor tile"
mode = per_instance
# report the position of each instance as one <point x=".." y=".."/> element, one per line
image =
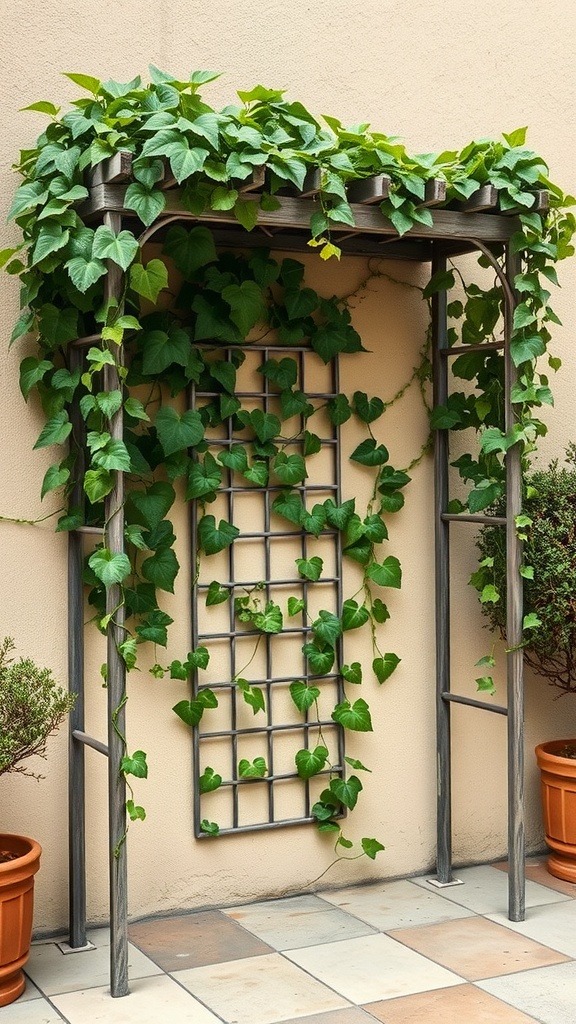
<point x="158" y="1000"/>
<point x="29" y="1011"/>
<point x="548" y="993"/>
<point x="53" y="971"/>
<point x="259" y="990"/>
<point x="485" y="890"/>
<point x="371" y="968"/>
<point x="395" y="905"/>
<point x="301" y="921"/>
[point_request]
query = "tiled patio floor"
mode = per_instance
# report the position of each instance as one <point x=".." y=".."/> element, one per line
<point x="400" y="952"/>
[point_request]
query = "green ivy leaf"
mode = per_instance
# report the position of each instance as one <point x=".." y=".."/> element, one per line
<point x="327" y="628"/>
<point x="320" y="659"/>
<point x="246" y="213"/>
<point x="357" y="765"/>
<point x="314" y="521"/>
<point x="253" y="695"/>
<point x="216" y="594"/>
<point x="354" y="615"/>
<point x="246" y="303"/>
<point x="204" y="478"/>
<point x="191" y="711"/>
<point x="235" y="459"/>
<point x="289" y="505"/>
<point x="134" y="811"/>
<point x="154" y="627"/>
<point x="58" y="325"/>
<point x="51" y="237"/>
<point x="354" y="716"/>
<point x="380" y="612"/>
<point x="85" y="272"/>
<point x="485" y="684"/>
<point x="257" y="473"/>
<point x="108" y="567"/>
<point x="303" y="695"/>
<point x="55" y="431"/>
<point x="214" y="538"/>
<point x="339" y="409"/>
<point x="367" y="409"/>
<point x="31" y="371"/>
<point x="371" y="847"/>
<point x="209" y="781"/>
<point x="153" y="504"/>
<point x="384" y="667"/>
<point x="310" y="568"/>
<point x="135" y="765"/>
<point x="284" y="373"/>
<point x="338" y="516"/>
<point x="210" y="828"/>
<point x="97" y="484"/>
<point x="264" y="424"/>
<point x="295" y="605"/>
<point x="176" y="432"/>
<point x="147" y="203"/>
<point x="368" y="453"/>
<point x="347" y="790"/>
<point x="312" y="444"/>
<point x="190" y="248"/>
<point x="289" y="469"/>
<point x="120" y="248"/>
<point x="56" y="476"/>
<point x="388" y="574"/>
<point x="270" y="620"/>
<point x="310" y="762"/>
<point x="256" y="769"/>
<point x="352" y="673"/>
<point x="161" y="569"/>
<point x="113" y="456"/>
<point x="375" y="529"/>
<point x="150" y="280"/>
<point x="531" y="621"/>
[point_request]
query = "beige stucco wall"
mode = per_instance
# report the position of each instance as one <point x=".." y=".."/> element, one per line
<point x="438" y="74"/>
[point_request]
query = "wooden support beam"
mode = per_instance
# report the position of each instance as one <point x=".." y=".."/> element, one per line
<point x="255" y="182"/>
<point x="116" y="169"/>
<point x="484" y="198"/>
<point x="435" y="192"/>
<point x="541" y="205"/>
<point x="369" y="190"/>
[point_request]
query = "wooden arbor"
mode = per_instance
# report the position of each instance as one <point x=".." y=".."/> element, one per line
<point x="476" y="225"/>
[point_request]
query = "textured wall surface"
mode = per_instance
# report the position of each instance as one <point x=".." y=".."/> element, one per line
<point x="437" y="74"/>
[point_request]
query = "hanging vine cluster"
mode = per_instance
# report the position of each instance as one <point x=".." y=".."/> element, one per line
<point x="224" y="300"/>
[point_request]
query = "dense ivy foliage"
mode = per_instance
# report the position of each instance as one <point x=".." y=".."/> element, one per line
<point x="549" y="523"/>
<point x="62" y="263"/>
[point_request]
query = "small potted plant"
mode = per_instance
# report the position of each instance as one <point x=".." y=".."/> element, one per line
<point x="32" y="706"/>
<point x="549" y="570"/>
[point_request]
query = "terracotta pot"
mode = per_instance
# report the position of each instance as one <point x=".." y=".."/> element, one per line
<point x="558" y="787"/>
<point x="16" y="905"/>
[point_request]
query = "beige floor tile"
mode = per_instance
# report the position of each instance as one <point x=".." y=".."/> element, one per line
<point x="536" y="871"/>
<point x="53" y="971"/>
<point x="395" y="904"/>
<point x="158" y="1000"/>
<point x="35" y="1011"/>
<point x="30" y="992"/>
<point x="485" y="890"/>
<point x="476" y="948"/>
<point x="300" y="921"/>
<point x="548" y="994"/>
<point x="554" y="925"/>
<point x="372" y="967"/>
<point x="464" y="1004"/>
<point x="351" y="1015"/>
<point x="194" y="940"/>
<point x="260" y="990"/>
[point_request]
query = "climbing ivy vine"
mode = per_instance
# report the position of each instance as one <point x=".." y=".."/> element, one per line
<point x="160" y="349"/>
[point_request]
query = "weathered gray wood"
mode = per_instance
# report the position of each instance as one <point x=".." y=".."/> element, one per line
<point x="369" y="190"/>
<point x="466" y="517"/>
<point x="76" y="767"/>
<point x="89" y="741"/>
<point x="442" y="585"/>
<point x="456" y="698"/>
<point x="255" y="182"/>
<point x="310" y="185"/>
<point x="449" y="225"/>
<point x="116" y="684"/>
<point x="485" y="346"/>
<point x="435" y="192"/>
<point x="515" y="655"/>
<point x="541" y="205"/>
<point x="116" y="168"/>
<point x="484" y="198"/>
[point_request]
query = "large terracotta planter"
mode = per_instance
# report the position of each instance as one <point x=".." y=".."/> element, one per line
<point x="558" y="785"/>
<point x="16" y="906"/>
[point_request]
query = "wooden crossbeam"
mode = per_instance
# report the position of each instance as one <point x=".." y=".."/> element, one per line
<point x="369" y="190"/>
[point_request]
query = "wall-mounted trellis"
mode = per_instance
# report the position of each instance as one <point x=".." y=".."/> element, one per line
<point x="263" y="539"/>
<point x="476" y="224"/>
